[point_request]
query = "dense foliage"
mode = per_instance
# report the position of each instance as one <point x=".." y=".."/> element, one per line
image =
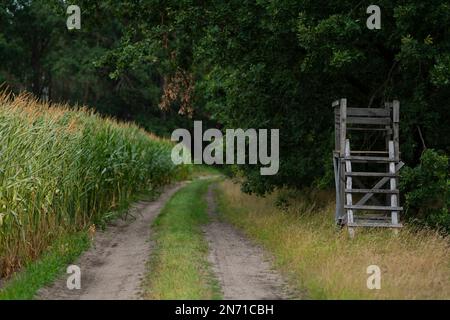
<point x="39" y="54"/>
<point x="63" y="170"/>
<point x="427" y="190"/>
<point x="281" y="63"/>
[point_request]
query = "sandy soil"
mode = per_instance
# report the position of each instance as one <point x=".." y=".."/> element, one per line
<point x="242" y="268"/>
<point x="115" y="265"/>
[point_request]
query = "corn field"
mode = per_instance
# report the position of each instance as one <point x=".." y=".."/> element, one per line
<point x="63" y="169"/>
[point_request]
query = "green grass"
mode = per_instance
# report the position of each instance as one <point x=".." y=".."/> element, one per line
<point x="24" y="285"/>
<point x="178" y="267"/>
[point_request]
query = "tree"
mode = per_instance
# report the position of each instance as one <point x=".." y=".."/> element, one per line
<point x="279" y="64"/>
<point x="245" y="64"/>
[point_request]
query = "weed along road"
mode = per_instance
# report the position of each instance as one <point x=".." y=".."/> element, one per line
<point x="116" y="264"/>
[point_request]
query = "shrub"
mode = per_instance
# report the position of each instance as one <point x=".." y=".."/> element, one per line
<point x="426" y="190"/>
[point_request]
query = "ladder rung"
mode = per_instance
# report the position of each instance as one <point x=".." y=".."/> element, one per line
<point x="369" y="158"/>
<point x="367" y="129"/>
<point x="369" y="120"/>
<point x="368" y="112"/>
<point x="377" y="208"/>
<point x="371" y="191"/>
<point x="375" y="224"/>
<point x="368" y="152"/>
<point x="371" y="174"/>
<point x="371" y="218"/>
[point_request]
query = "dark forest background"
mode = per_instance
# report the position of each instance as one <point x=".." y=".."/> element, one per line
<point x="249" y="64"/>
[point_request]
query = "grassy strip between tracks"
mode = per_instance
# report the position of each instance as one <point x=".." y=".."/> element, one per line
<point x="178" y="267"/>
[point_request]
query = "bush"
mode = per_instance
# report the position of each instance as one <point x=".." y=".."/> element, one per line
<point x="426" y="190"/>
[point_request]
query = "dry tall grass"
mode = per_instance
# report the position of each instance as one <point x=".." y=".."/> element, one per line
<point x="324" y="261"/>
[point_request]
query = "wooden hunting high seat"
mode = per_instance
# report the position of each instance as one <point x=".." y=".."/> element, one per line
<point x="367" y="197"/>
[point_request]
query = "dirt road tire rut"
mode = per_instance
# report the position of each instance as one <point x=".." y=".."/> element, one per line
<point x="115" y="265"/>
<point x="243" y="270"/>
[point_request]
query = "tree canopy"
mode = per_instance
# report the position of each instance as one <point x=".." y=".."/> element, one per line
<point x="241" y="64"/>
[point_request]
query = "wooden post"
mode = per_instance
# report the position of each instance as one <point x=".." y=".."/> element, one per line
<point x="388" y="137"/>
<point x="343" y="126"/>
<point x="337" y="180"/>
<point x="342" y="141"/>
<point x="340" y="130"/>
<point x="349" y="198"/>
<point x="393" y="183"/>
<point x="395" y="127"/>
<point x="337" y="110"/>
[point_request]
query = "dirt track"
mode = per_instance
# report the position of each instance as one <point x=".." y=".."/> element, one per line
<point x="242" y="269"/>
<point x="115" y="265"/>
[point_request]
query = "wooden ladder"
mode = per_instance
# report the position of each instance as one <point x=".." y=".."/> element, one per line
<point x="387" y="221"/>
<point x="362" y="214"/>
